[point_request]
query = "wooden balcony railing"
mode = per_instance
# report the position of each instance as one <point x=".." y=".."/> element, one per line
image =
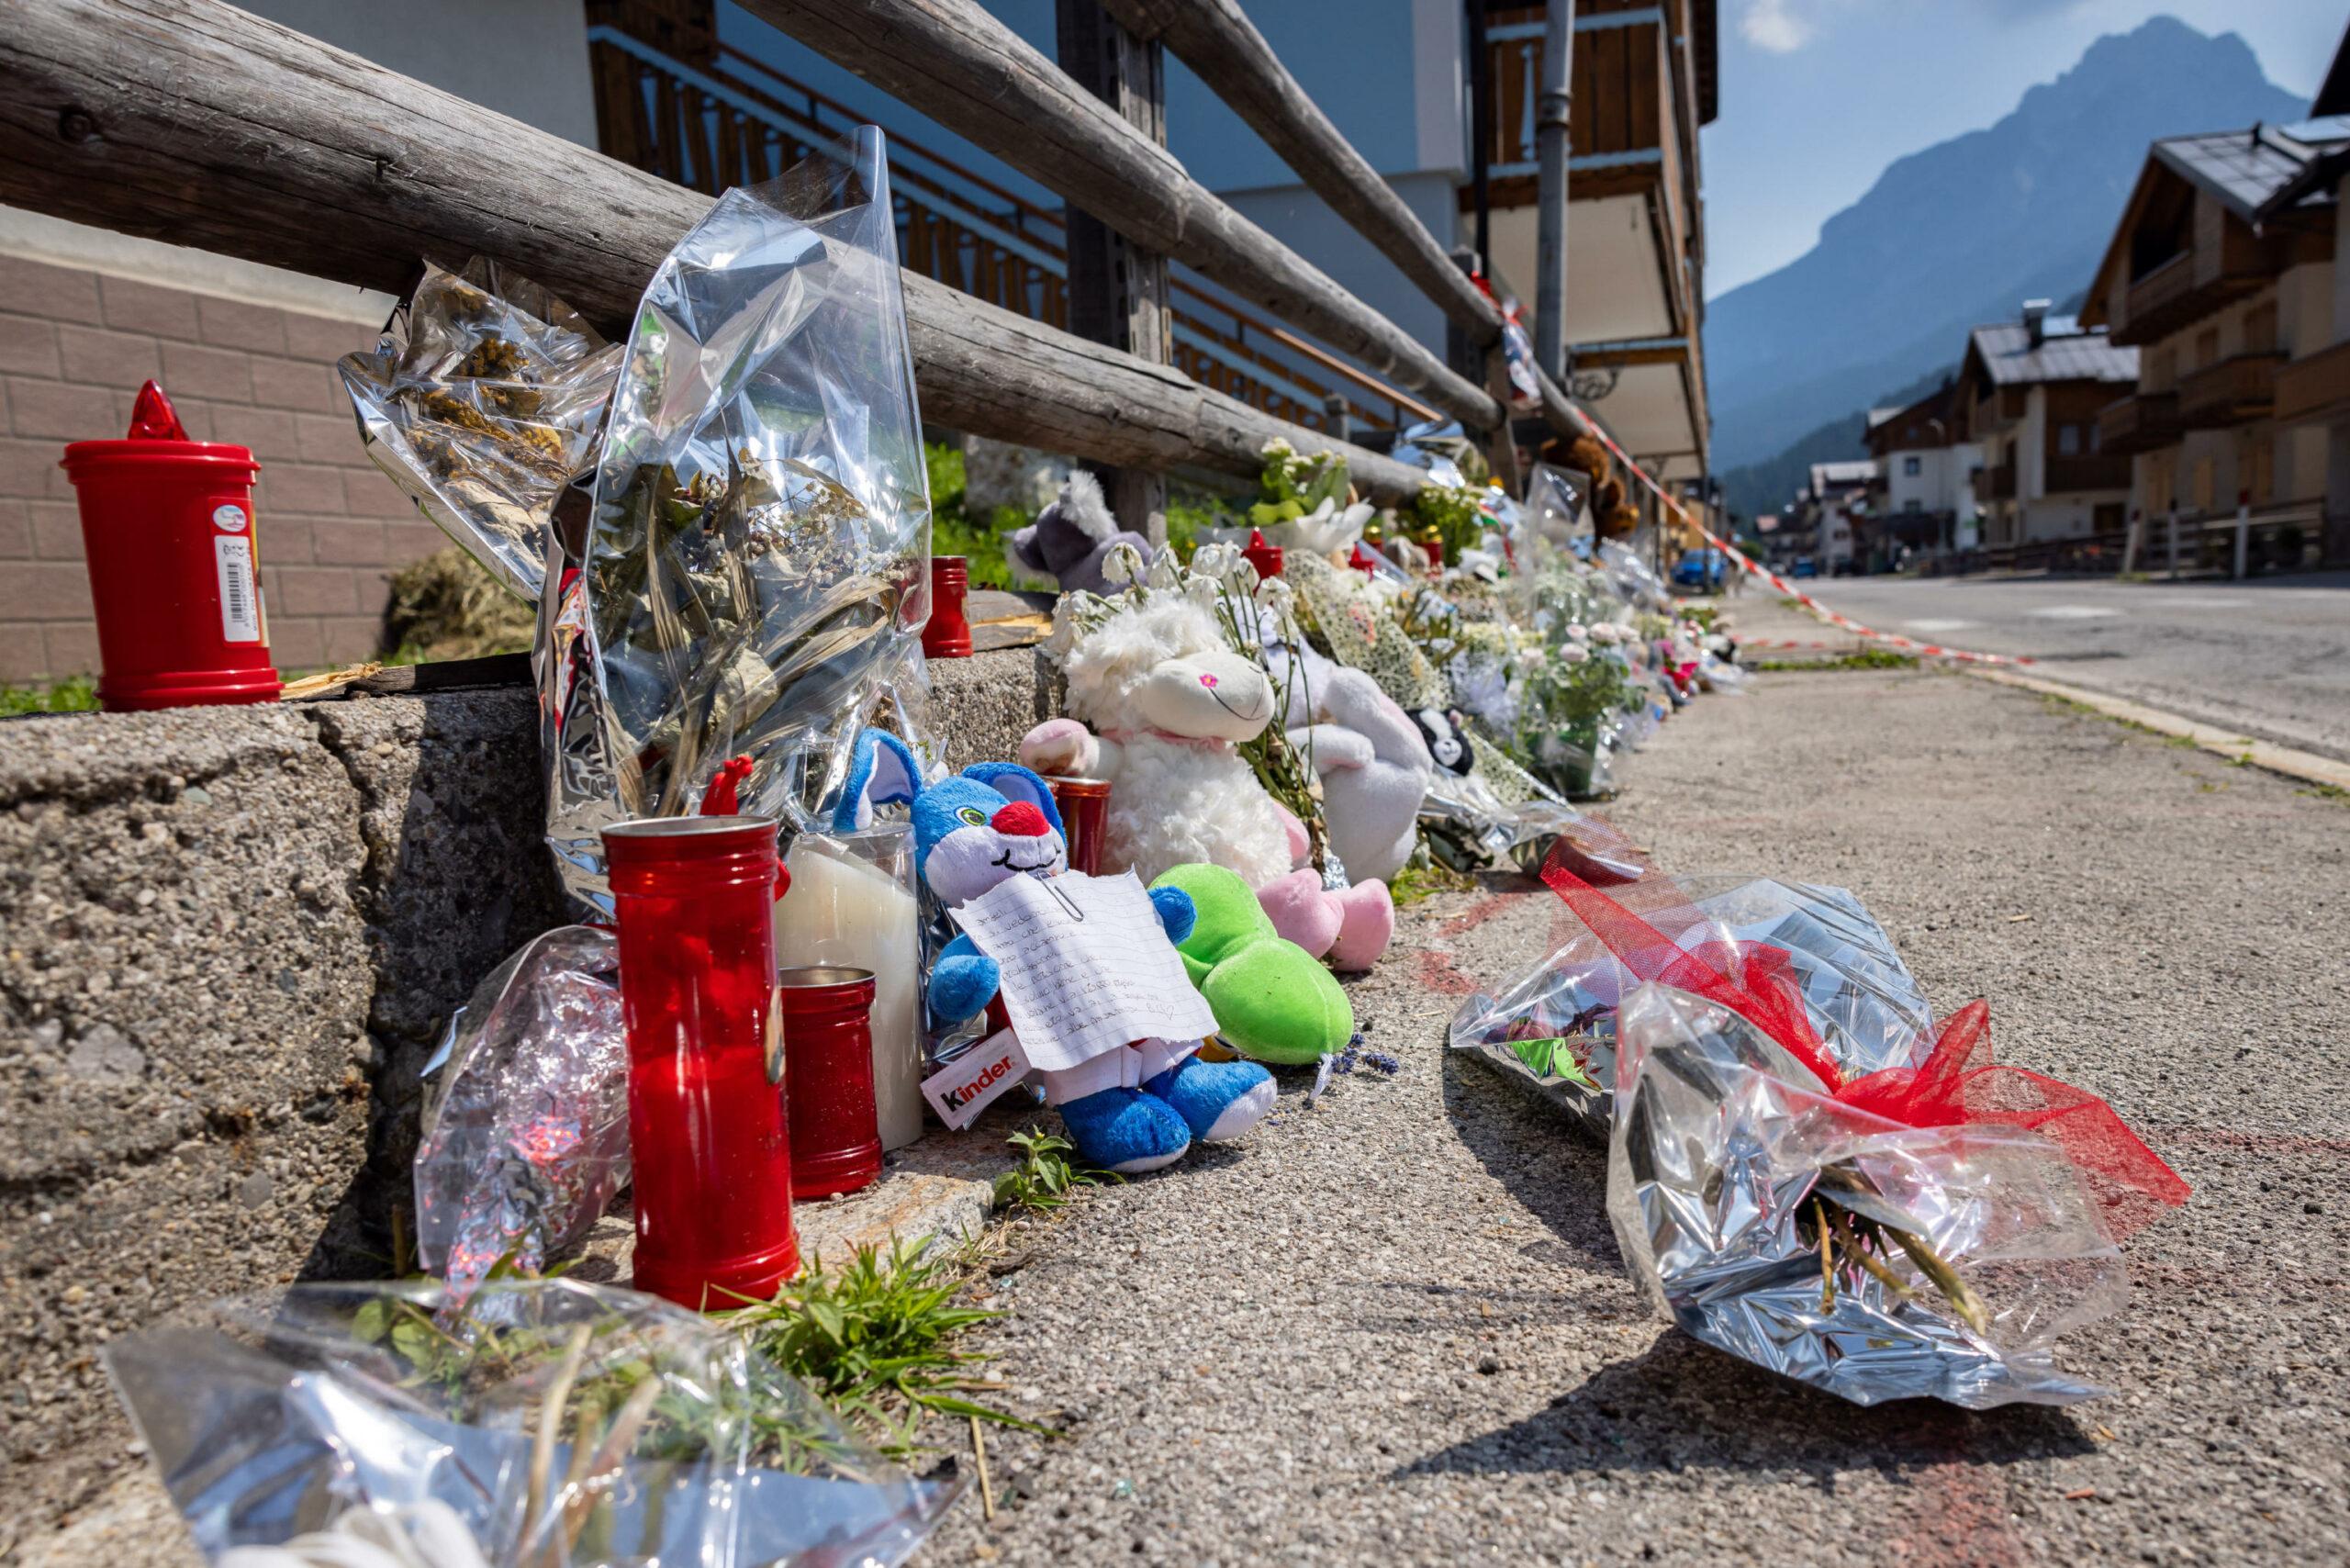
<point x="735" y="121"/>
<point x="2147" y="297"/>
<point x="2232" y="392"/>
<point x="1621" y="88"/>
<point x="2139" y="423"/>
<point x="2086" y="471"/>
<point x="2315" y="386"/>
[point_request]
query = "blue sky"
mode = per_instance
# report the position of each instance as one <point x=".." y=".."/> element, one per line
<point x="1819" y="95"/>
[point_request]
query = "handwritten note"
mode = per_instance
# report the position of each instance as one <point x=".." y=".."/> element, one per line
<point x="1087" y="966"/>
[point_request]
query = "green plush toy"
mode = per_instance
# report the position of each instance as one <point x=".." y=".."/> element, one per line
<point x="1273" y="1002"/>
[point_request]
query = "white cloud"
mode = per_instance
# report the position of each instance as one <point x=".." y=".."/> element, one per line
<point x="1773" y="27"/>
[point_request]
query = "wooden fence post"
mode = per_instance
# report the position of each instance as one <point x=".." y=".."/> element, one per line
<point x="1117" y="290"/>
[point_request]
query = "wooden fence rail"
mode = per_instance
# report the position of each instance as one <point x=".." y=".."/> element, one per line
<point x="193" y="122"/>
<point x="980" y="80"/>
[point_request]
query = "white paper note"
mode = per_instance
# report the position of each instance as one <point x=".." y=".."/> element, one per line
<point x="1086" y="966"/>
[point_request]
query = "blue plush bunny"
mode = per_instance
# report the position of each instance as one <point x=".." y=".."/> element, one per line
<point x="1131" y="1109"/>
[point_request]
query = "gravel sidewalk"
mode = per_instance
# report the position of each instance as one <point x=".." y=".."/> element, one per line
<point x="1393" y="1328"/>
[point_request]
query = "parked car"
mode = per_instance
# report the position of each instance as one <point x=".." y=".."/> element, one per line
<point x="1701" y="569"/>
<point x="1805" y="567"/>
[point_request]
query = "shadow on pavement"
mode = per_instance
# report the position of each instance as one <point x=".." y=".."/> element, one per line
<point x="1532" y="1148"/>
<point x="1682" y="1406"/>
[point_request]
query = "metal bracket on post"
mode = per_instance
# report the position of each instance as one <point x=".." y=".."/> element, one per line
<point x="1554" y="144"/>
<point x="1117" y="292"/>
<point x="1338" y="421"/>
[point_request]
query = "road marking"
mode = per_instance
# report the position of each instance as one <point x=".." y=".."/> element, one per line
<point x="1937" y="625"/>
<point x="2074" y="612"/>
<point x="2197" y="602"/>
<point x="2307" y="767"/>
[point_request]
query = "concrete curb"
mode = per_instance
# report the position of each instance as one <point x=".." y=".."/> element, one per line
<point x="2307" y="767"/>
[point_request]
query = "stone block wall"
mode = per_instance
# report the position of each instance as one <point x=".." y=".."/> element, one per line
<point x="229" y="939"/>
<point x="74" y="346"/>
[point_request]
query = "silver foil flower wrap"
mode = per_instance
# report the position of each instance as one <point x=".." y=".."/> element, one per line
<point x="753" y="574"/>
<point x="544" y="1424"/>
<point x="526" y="1114"/>
<point x="481" y="402"/>
<point x="1725" y="1156"/>
<point x="1554" y="1025"/>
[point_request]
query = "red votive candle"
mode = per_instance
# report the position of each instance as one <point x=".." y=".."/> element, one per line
<point x="1266" y="559"/>
<point x="947" y="633"/>
<point x="828" y="1038"/>
<point x="1085" y="806"/>
<point x="692" y="897"/>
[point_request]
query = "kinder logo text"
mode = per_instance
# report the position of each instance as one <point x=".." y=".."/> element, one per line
<point x="964" y="1093"/>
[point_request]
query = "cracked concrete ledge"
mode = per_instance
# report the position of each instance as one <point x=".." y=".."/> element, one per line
<point x="228" y="937"/>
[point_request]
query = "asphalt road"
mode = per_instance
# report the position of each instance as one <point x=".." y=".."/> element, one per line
<point x="2268" y="659"/>
<point x="1393" y="1330"/>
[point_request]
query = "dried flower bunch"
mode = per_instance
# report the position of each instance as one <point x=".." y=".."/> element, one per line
<point x="482" y="401"/>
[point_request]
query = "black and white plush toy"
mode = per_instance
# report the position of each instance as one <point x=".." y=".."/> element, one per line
<point x="1447" y="739"/>
<point x="1070" y="538"/>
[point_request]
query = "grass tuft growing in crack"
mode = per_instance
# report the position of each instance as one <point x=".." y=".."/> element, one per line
<point x="876" y="1338"/>
<point x="1858" y="658"/>
<point x="1045" y="1178"/>
<point x="77" y="695"/>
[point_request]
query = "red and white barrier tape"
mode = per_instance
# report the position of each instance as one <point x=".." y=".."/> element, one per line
<point x="1811" y="605"/>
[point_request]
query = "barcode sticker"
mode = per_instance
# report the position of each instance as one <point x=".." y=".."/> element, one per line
<point x="240" y="605"/>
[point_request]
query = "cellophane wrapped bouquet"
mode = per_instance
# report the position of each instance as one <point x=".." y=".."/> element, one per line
<point x="753" y="576"/>
<point x="542" y="1423"/>
<point x="481" y="402"/>
<point x="1805" y="1169"/>
<point x="736" y="586"/>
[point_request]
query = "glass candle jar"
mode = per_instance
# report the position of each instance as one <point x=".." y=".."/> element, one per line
<point x="708" y="1138"/>
<point x="1084" y="805"/>
<point x="947" y="633"/>
<point x="828" y="1039"/>
<point x="854" y="901"/>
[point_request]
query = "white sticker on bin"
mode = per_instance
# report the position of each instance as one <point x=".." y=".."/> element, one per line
<point x="240" y="603"/>
<point x="968" y="1085"/>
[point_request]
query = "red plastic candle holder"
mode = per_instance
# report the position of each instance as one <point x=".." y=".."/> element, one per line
<point x="708" y="1137"/>
<point x="828" y="1041"/>
<point x="174" y="563"/>
<point x="947" y="633"/>
<point x="1084" y="805"/>
<point x="1266" y="559"/>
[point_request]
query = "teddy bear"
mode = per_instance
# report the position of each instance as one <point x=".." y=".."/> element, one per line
<point x="1169" y="700"/>
<point x="1129" y="1109"/>
<point x="1072" y="537"/>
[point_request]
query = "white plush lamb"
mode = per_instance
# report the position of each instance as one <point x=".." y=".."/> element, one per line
<point x="1168" y="699"/>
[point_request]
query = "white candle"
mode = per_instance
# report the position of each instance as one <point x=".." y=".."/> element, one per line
<point x="851" y="903"/>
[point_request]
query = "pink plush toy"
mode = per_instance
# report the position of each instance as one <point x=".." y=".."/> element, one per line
<point x="1167" y="700"/>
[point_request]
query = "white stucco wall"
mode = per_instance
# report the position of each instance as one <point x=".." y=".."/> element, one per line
<point x="523" y="58"/>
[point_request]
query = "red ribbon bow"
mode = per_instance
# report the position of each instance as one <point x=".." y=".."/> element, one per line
<point x="1670" y="942"/>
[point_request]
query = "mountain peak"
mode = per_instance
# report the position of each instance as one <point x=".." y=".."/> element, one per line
<point x="2021" y="207"/>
